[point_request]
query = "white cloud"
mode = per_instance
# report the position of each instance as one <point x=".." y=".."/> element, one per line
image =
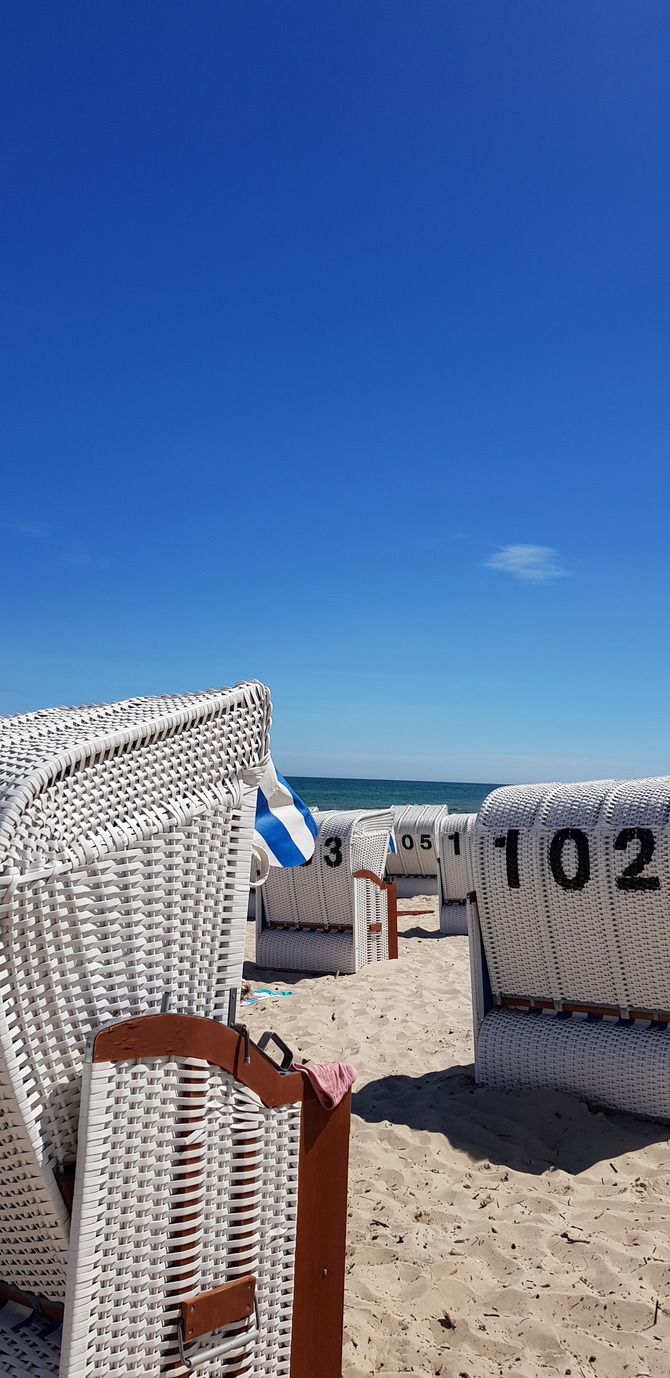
<point x="535" y="562"/>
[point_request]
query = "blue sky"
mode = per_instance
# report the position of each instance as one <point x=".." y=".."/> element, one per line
<point x="335" y="353"/>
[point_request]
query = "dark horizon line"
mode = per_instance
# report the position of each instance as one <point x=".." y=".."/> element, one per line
<point x="389" y="780"/>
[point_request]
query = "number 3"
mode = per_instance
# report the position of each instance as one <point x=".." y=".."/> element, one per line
<point x="335" y="858"/>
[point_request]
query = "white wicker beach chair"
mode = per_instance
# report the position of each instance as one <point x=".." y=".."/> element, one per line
<point x="209" y="1218"/>
<point x="125" y="847"/>
<point x="454" y="844"/>
<point x="570" y="941"/>
<point x="413" y="865"/>
<point x="335" y="913"/>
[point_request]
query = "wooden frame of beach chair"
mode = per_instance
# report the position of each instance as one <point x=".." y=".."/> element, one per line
<point x="209" y="1220"/>
<point x="570" y="941"/>
<point x="414" y="864"/>
<point x="454" y="843"/>
<point x="125" y="846"/>
<point x="335" y="913"/>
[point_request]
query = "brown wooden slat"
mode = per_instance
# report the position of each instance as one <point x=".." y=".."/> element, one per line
<point x="310" y="927"/>
<point x="219" y="1307"/>
<point x="578" y="1007"/>
<point x="52" y="1309"/>
<point x="392" y="894"/>
<point x="187" y="1035"/>
<point x="370" y="875"/>
<point x="65" y="1182"/>
<point x="318" y="1303"/>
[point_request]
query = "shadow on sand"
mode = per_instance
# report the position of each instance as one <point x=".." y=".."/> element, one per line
<point x="529" y="1131"/>
<point x="419" y="932"/>
<point x="268" y="975"/>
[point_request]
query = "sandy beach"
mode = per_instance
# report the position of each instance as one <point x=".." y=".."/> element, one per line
<point x="490" y="1232"/>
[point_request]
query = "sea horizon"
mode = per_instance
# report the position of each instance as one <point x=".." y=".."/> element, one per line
<point x="343" y="792"/>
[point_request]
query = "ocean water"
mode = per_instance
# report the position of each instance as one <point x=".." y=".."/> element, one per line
<point x="322" y="793"/>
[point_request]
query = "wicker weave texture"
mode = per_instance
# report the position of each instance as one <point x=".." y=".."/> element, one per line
<point x="410" y="887"/>
<point x="609" y="1064"/>
<point x="573" y="884"/>
<point x="75" y="783"/>
<point x="455" y="871"/>
<point x="323" y="894"/>
<point x="125" y="843"/>
<point x="27" y="1353"/>
<point x="293" y="949"/>
<point x="415" y="828"/>
<point x="184" y="1181"/>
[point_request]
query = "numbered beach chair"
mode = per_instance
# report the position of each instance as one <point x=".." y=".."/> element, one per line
<point x="125" y="847"/>
<point x="454" y="843"/>
<point x="570" y="941"/>
<point x="335" y="913"/>
<point x="413" y="865"/>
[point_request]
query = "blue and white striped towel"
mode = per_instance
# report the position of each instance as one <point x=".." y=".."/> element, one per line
<point x="285" y="829"/>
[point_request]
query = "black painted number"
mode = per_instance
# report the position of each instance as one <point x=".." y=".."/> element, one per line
<point x="426" y="844"/>
<point x="631" y="877"/>
<point x="334" y="856"/>
<point x="558" y="871"/>
<point x="407" y="842"/>
<point x="575" y="875"/>
<point x="511" y="844"/>
<point x="456" y="839"/>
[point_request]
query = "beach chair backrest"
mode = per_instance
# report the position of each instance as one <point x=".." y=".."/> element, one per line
<point x="455" y="871"/>
<point x="125" y="847"/>
<point x="415" y="829"/>
<point x="322" y="916"/>
<point x="322" y="892"/>
<point x="573" y="892"/>
<point x="454" y="849"/>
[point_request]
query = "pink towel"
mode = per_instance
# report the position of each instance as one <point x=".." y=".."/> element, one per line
<point x="331" y="1080"/>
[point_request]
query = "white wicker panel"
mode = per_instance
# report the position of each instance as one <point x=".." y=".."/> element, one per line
<point x="624" y="1068"/>
<point x="125" y="844"/>
<point x="108" y="940"/>
<point x="455" y="870"/>
<point x="369" y="843"/>
<point x="415" y="828"/>
<point x="299" y="949"/>
<point x="596" y="929"/>
<point x="408" y="887"/>
<point x="371" y="909"/>
<point x="74" y="789"/>
<point x="453" y="919"/>
<point x="166" y="1139"/>
<point x="34" y="1227"/>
